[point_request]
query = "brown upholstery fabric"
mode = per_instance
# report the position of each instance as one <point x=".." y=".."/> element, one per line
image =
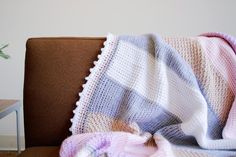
<point x="55" y="69"/>
<point x="40" y="152"/>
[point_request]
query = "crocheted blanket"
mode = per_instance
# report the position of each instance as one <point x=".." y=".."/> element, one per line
<point x="154" y="96"/>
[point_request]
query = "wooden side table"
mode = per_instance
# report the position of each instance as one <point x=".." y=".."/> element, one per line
<point x="8" y="106"/>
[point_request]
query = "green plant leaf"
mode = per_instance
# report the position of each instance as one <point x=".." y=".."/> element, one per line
<point x="4" y="46"/>
<point x="2" y="54"/>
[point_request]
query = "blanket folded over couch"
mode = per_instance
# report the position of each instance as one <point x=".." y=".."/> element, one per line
<point x="154" y="96"/>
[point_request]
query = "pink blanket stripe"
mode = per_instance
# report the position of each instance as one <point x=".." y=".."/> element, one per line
<point x="224" y="60"/>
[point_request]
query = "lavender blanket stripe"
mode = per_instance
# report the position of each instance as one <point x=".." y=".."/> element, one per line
<point x="159" y="97"/>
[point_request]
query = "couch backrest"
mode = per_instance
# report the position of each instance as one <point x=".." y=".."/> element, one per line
<point x="55" y="69"/>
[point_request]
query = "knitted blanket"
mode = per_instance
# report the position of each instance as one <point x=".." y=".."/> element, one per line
<point x="154" y="96"/>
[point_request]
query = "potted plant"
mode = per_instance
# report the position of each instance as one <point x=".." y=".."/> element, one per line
<point x="2" y="54"/>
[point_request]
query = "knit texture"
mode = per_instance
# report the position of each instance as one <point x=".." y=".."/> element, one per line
<point x="228" y="38"/>
<point x="223" y="58"/>
<point x="122" y="144"/>
<point x="170" y="88"/>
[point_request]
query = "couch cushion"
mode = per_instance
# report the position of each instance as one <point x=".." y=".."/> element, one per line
<point x="55" y="69"/>
<point x="51" y="151"/>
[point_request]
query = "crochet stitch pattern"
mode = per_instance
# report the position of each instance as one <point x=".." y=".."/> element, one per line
<point x="174" y="90"/>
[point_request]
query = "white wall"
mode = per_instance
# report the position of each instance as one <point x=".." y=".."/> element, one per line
<point x="21" y="19"/>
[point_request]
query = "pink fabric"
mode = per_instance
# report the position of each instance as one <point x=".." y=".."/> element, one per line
<point x="114" y="144"/>
<point x="223" y="57"/>
<point x="228" y="38"/>
<point x="230" y="127"/>
<point x="225" y="60"/>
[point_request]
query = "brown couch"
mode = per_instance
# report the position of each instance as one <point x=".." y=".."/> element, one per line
<point x="55" y="69"/>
